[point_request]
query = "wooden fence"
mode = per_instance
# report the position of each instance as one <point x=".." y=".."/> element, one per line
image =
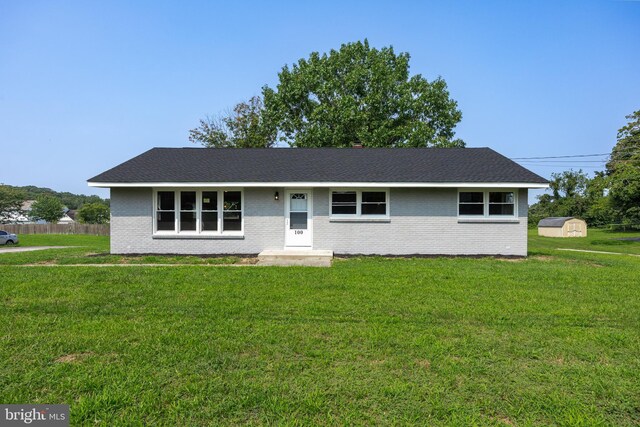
<point x="94" y="229"/>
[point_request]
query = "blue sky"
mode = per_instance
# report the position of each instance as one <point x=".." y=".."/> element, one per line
<point x="87" y="85"/>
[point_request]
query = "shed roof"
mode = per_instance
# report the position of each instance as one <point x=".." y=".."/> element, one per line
<point x="349" y="165"/>
<point x="554" y="221"/>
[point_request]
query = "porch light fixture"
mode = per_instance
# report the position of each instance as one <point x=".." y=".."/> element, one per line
<point x="276" y="196"/>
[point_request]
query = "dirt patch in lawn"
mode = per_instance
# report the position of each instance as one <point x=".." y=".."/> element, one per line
<point x="543" y="258"/>
<point x="424" y="363"/>
<point x="73" y="357"/>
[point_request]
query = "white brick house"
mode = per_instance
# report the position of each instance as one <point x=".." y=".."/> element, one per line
<point x="470" y="201"/>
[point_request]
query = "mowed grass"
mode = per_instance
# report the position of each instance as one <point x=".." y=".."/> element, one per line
<point x="91" y="250"/>
<point x="553" y="339"/>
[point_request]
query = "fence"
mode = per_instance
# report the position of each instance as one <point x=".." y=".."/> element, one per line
<point x="95" y="229"/>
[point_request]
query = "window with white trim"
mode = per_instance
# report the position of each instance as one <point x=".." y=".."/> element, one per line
<point x="165" y="211"/>
<point x="197" y="212"/>
<point x="209" y="211"/>
<point x="232" y="211"/>
<point x="188" y="211"/>
<point x="370" y="203"/>
<point x="501" y="203"/>
<point x="486" y="204"/>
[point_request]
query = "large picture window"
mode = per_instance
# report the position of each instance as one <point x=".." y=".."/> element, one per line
<point x="198" y="212"/>
<point x="486" y="204"/>
<point x="363" y="204"/>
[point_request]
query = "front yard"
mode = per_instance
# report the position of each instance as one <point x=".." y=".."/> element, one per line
<point x="553" y="339"/>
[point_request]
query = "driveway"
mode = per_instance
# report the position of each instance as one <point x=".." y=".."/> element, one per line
<point x="29" y="248"/>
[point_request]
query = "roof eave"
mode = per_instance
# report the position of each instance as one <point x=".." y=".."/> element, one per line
<point x="532" y="185"/>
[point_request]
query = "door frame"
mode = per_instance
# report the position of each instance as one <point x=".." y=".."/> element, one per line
<point x="287" y="203"/>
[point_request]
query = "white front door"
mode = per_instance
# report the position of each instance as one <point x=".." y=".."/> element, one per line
<point x="298" y="219"/>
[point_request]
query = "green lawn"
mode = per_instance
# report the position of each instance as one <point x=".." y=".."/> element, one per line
<point x="553" y="339"/>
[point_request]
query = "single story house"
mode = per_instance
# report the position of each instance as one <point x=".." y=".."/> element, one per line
<point x="562" y="226"/>
<point x="430" y="201"/>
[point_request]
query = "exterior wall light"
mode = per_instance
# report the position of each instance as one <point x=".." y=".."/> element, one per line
<point x="276" y="196"/>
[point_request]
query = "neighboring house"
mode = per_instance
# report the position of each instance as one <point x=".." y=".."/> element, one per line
<point x="23" y="217"/>
<point x="447" y="201"/>
<point x="562" y="226"/>
<point x="66" y="218"/>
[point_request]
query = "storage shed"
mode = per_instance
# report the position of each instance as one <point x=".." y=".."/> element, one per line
<point x="564" y="226"/>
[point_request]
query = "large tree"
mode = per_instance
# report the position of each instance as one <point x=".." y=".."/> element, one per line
<point x="244" y="127"/>
<point x="10" y="203"/>
<point x="360" y="95"/>
<point x="623" y="169"/>
<point x="47" y="208"/>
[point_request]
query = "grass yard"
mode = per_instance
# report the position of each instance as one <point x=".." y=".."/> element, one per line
<point x="553" y="339"/>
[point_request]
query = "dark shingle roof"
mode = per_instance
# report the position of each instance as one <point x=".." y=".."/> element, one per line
<point x="554" y="221"/>
<point x="401" y="165"/>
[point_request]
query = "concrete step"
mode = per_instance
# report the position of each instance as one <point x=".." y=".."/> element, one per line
<point x="287" y="257"/>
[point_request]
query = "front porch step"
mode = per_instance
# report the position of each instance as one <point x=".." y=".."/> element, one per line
<point x="287" y="257"/>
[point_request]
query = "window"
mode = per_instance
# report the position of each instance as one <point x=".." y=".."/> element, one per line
<point x="232" y="211"/>
<point x="344" y="203"/>
<point x="192" y="212"/>
<point x="187" y="211"/>
<point x="374" y="203"/>
<point x="501" y="203"/>
<point x="487" y="203"/>
<point x="166" y="211"/>
<point x="209" y="212"/>
<point x="359" y="203"/>
<point x="471" y="203"/>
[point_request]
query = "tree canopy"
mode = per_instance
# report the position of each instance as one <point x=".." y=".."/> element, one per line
<point x="624" y="171"/>
<point x="10" y="203"/>
<point x="244" y="127"/>
<point x="47" y="208"/>
<point x="93" y="213"/>
<point x="354" y="95"/>
<point x="70" y="200"/>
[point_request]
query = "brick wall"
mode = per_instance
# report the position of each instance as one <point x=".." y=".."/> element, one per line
<point x="132" y="226"/>
<point x="423" y="221"/>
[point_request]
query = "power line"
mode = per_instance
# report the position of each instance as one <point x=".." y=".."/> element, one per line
<point x="626" y="151"/>
<point x="560" y="157"/>
<point x="563" y="161"/>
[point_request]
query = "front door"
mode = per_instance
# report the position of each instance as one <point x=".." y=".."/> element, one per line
<point x="298" y="219"/>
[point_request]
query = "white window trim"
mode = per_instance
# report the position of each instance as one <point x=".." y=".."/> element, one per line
<point x="485" y="203"/>
<point x="358" y="215"/>
<point x="197" y="232"/>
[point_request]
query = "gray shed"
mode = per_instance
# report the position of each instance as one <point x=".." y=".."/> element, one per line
<point x="562" y="226"/>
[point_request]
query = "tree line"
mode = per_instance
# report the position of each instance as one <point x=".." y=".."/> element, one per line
<point x="611" y="196"/>
<point x="50" y="205"/>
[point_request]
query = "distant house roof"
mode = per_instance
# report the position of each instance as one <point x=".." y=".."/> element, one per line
<point x="318" y="165"/>
<point x="26" y="205"/>
<point x="554" y="221"/>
